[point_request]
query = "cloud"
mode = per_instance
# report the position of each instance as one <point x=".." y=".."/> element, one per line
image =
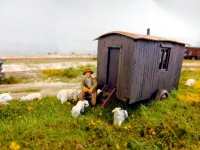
<point x="66" y="26"/>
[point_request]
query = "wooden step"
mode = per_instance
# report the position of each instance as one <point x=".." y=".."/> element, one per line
<point x="109" y="98"/>
<point x="106" y="92"/>
<point x="111" y="93"/>
<point x="103" y="99"/>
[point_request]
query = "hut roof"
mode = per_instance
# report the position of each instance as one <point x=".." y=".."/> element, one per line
<point x="140" y="36"/>
<point x="192" y="47"/>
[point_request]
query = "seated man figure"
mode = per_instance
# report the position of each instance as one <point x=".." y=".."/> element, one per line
<point x="89" y="86"/>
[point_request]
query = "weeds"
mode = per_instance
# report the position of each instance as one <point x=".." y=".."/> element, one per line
<point x="11" y="80"/>
<point x="69" y="73"/>
<point x="47" y="124"/>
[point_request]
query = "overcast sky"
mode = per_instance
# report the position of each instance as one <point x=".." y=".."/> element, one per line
<point x="29" y="27"/>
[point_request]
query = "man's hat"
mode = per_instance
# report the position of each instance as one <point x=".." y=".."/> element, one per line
<point x="87" y="70"/>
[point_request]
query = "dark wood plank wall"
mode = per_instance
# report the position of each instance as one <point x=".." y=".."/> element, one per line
<point x="103" y="45"/>
<point x="146" y="77"/>
<point x="177" y="65"/>
<point x="125" y="68"/>
<point x="146" y="60"/>
<point x="139" y="75"/>
<point x="170" y="79"/>
<point x="125" y="62"/>
<point x="102" y="54"/>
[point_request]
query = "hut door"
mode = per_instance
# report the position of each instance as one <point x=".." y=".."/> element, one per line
<point x="112" y="68"/>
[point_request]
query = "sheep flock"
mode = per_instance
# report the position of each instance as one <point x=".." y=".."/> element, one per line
<point x="66" y="94"/>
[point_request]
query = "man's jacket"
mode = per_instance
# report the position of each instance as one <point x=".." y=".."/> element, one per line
<point x="93" y="84"/>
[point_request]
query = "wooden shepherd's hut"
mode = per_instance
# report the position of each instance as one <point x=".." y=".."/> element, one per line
<point x="134" y="67"/>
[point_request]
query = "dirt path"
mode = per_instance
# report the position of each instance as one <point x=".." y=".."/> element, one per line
<point x="46" y="89"/>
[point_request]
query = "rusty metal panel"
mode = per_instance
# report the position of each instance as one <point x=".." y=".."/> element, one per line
<point x="192" y="53"/>
<point x="140" y="36"/>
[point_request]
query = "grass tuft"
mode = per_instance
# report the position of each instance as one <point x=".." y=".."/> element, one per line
<point x="11" y="80"/>
<point x="47" y="124"/>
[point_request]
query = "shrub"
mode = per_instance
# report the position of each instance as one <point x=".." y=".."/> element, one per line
<point x="11" y="80"/>
<point x="52" y="72"/>
<point x="70" y="73"/>
<point x="95" y="58"/>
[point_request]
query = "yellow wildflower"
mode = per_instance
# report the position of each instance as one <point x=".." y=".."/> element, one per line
<point x="125" y="128"/>
<point x="92" y="123"/>
<point x="30" y="108"/>
<point x="189" y="97"/>
<point x="98" y="121"/>
<point x="68" y="103"/>
<point x="117" y="146"/>
<point x="125" y="144"/>
<point x="129" y="127"/>
<point x="197" y="85"/>
<point x="153" y="133"/>
<point x="14" y="146"/>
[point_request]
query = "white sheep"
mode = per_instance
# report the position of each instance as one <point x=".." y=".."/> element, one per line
<point x="4" y="97"/>
<point x="119" y="115"/>
<point x="190" y="82"/>
<point x="31" y="97"/>
<point x="66" y="94"/>
<point x="79" y="108"/>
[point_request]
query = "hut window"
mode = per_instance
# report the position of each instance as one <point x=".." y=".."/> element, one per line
<point x="164" y="58"/>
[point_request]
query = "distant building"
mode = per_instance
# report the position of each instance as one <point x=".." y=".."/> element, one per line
<point x="192" y="53"/>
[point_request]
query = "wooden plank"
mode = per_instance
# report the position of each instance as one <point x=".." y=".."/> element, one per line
<point x="147" y="78"/>
<point x="109" y="98"/>
<point x="138" y="72"/>
<point x="112" y="72"/>
<point x="125" y="68"/>
<point x="101" y="63"/>
<point x="166" y="45"/>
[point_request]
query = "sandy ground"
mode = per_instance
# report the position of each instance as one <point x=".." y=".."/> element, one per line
<point x="47" y="89"/>
<point x="44" y="66"/>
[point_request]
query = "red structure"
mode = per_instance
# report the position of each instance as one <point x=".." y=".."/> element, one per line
<point x="192" y="53"/>
<point x="133" y="67"/>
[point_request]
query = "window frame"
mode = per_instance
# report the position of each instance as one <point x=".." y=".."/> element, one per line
<point x="165" y="52"/>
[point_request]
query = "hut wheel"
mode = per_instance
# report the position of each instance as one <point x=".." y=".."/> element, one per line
<point x="161" y="94"/>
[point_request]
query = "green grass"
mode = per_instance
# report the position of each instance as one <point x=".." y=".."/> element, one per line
<point x="157" y="125"/>
<point x="11" y="80"/>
